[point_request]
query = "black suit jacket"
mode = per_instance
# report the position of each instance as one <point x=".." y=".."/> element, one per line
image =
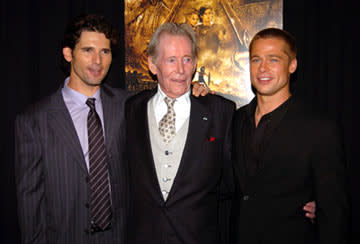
<point x="191" y="213"/>
<point x="51" y="174"/>
<point x="302" y="161"/>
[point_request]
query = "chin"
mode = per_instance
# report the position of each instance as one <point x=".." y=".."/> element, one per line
<point x="177" y="94"/>
<point x="94" y="83"/>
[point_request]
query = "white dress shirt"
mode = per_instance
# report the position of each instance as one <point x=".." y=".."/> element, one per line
<point x="182" y="107"/>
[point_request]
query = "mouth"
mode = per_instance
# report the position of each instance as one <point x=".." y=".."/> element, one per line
<point x="95" y="71"/>
<point x="178" y="80"/>
<point x="264" y="80"/>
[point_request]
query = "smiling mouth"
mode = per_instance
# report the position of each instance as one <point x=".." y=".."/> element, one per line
<point x="95" y="72"/>
<point x="264" y="79"/>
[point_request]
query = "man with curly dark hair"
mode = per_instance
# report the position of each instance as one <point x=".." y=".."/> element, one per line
<point x="56" y="179"/>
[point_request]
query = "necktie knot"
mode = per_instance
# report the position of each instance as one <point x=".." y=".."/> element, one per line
<point x="167" y="123"/>
<point x="169" y="102"/>
<point x="91" y="103"/>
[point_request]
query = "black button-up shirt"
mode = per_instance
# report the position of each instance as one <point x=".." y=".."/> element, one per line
<point x="258" y="138"/>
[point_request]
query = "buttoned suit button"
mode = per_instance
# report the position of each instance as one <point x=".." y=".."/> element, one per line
<point x="163" y="206"/>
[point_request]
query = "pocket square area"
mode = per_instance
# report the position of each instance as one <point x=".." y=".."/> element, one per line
<point x="211" y="139"/>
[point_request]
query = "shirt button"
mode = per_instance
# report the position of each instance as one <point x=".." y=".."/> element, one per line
<point x="164" y="192"/>
<point x="165" y="179"/>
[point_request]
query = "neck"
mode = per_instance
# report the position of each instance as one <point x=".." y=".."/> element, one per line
<point x="267" y="104"/>
<point x="87" y="90"/>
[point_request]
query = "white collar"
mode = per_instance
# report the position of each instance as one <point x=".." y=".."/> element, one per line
<point x="182" y="107"/>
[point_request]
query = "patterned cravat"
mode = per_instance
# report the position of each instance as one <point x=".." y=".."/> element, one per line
<point x="100" y="203"/>
<point x="167" y="123"/>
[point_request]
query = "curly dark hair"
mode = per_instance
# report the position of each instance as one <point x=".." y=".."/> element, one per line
<point x="87" y="22"/>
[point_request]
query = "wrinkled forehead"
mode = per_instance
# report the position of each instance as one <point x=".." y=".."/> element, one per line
<point x="168" y="41"/>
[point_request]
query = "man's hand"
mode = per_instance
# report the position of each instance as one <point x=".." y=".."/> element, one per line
<point x="310" y="209"/>
<point x="200" y="89"/>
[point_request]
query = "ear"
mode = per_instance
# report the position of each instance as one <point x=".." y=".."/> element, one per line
<point x="293" y="65"/>
<point x="67" y="53"/>
<point x="152" y="66"/>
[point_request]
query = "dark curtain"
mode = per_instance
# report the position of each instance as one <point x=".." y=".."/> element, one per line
<point x="326" y="31"/>
<point x="31" y="32"/>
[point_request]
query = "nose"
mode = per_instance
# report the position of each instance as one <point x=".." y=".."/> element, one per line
<point x="180" y="67"/>
<point x="262" y="66"/>
<point x="97" y="58"/>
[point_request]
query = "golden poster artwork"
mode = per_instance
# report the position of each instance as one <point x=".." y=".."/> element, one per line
<point x="223" y="28"/>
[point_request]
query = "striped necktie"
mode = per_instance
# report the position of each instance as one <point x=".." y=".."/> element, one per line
<point x="100" y="203"/>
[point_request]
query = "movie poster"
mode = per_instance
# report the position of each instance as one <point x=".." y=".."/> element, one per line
<point x="223" y="28"/>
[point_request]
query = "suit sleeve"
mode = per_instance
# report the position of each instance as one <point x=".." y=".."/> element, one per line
<point x="29" y="181"/>
<point x="331" y="197"/>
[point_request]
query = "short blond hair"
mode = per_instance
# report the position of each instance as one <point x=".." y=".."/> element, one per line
<point x="279" y="34"/>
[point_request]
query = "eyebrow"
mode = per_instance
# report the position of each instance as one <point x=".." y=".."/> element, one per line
<point x="270" y="55"/>
<point x="274" y="56"/>
<point x="91" y="47"/>
<point x="185" y="56"/>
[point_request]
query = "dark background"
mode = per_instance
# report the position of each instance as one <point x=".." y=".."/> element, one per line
<point x="31" y="31"/>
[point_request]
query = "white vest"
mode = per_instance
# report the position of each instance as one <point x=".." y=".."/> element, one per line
<point x="167" y="157"/>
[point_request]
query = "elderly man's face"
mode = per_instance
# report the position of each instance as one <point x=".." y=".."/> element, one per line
<point x="175" y="64"/>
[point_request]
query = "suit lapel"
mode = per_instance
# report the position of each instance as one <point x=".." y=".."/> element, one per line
<point x="148" y="159"/>
<point x="63" y="126"/>
<point x="110" y="114"/>
<point x="199" y="124"/>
